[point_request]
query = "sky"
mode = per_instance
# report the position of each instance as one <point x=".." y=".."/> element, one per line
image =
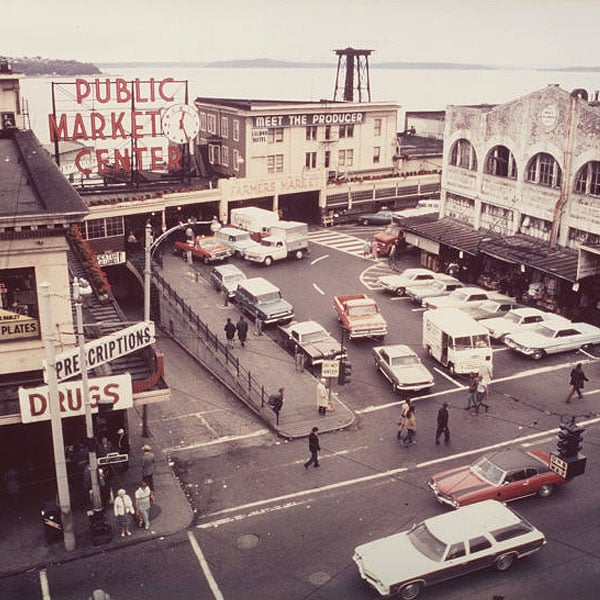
<point x="540" y="33"/>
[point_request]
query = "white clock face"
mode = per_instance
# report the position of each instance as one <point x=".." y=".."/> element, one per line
<point x="180" y="123"/>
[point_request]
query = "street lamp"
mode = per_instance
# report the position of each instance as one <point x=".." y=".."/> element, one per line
<point x="150" y="246"/>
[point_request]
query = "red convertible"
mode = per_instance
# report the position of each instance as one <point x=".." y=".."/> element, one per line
<point x="505" y="475"/>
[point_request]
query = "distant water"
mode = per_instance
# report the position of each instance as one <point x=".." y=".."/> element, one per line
<point x="412" y="89"/>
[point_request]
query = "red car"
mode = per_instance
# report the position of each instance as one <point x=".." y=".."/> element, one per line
<point x="505" y="475"/>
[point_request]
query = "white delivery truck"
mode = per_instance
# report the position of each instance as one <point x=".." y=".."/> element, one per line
<point x="257" y="221"/>
<point x="285" y="239"/>
<point x="456" y="340"/>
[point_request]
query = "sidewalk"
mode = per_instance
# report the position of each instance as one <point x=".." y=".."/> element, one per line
<point x="268" y="362"/>
<point x="22" y="540"/>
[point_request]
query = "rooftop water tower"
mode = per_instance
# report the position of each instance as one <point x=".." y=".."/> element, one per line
<point x="353" y="69"/>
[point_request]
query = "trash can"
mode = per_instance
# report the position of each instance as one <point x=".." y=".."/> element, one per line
<point x="51" y="521"/>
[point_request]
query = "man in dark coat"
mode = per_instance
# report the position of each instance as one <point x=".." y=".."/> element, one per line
<point x="276" y="403"/>
<point x="442" y="424"/>
<point x="242" y="330"/>
<point x="313" y="447"/>
<point x="577" y="379"/>
<point x="229" y="332"/>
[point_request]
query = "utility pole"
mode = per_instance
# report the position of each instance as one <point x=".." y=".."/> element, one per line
<point x="60" y="463"/>
<point x="89" y="424"/>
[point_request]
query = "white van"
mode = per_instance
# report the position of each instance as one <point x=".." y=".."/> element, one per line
<point x="456" y="340"/>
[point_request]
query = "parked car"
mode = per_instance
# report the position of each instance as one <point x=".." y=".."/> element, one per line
<point x="442" y="285"/>
<point x="446" y="546"/>
<point x="552" y="337"/>
<point x="381" y="217"/>
<point x="505" y="475"/>
<point x="207" y="249"/>
<point x="237" y="240"/>
<point x="397" y="283"/>
<point x="518" y="319"/>
<point x="401" y="366"/>
<point x="491" y="309"/>
<point x="465" y="296"/>
<point x="311" y="339"/>
<point x="226" y="278"/>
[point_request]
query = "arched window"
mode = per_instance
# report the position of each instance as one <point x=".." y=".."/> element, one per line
<point x="588" y="179"/>
<point x="501" y="163"/>
<point x="463" y="155"/>
<point x="544" y="170"/>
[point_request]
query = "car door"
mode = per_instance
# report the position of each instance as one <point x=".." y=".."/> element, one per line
<point x="515" y="485"/>
<point x="453" y="564"/>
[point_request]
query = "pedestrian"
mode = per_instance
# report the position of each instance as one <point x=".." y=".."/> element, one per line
<point x="105" y="447"/>
<point x="258" y="326"/>
<point x="242" y="330"/>
<point x="442" y="424"/>
<point x="374" y="248"/>
<point x="276" y="403"/>
<point x="322" y="397"/>
<point x="143" y="500"/>
<point x="410" y="423"/>
<point x="404" y="406"/>
<point x="453" y="269"/>
<point x="313" y="447"/>
<point x="472" y="397"/>
<point x="123" y="508"/>
<point x="486" y="372"/>
<point x="229" y="332"/>
<point x="480" y="395"/>
<point x="148" y="466"/>
<point x="122" y="445"/>
<point x="576" y="382"/>
<point x="85" y="291"/>
<point x="367" y="249"/>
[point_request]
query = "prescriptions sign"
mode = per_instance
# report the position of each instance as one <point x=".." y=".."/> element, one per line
<point x="115" y="390"/>
<point x="125" y="115"/>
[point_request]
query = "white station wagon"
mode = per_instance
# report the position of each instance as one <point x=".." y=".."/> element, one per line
<point x="471" y="538"/>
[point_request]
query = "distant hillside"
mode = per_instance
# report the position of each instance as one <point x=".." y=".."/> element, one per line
<point x="51" y="66"/>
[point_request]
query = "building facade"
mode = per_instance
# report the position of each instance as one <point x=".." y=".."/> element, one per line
<point x="523" y="178"/>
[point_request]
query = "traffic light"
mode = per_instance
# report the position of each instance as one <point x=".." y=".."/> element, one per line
<point x="345" y="372"/>
<point x="569" y="439"/>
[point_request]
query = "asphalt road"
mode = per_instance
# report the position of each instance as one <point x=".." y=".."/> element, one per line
<point x="268" y="529"/>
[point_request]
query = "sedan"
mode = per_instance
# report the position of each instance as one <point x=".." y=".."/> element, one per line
<point x="313" y="341"/>
<point x="466" y="296"/>
<point x="381" y="217"/>
<point x="519" y="319"/>
<point x="442" y="285"/>
<point x="446" y="546"/>
<point x="401" y="366"/>
<point x="505" y="475"/>
<point x="553" y="337"/>
<point x="226" y="278"/>
<point x="491" y="309"/>
<point x="397" y="284"/>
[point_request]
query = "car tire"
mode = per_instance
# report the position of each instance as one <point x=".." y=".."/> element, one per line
<point x="546" y="491"/>
<point x="205" y="260"/>
<point x="268" y="261"/>
<point x="411" y="590"/>
<point x="299" y="254"/>
<point x="504" y="561"/>
<point x="400" y="291"/>
<point x="395" y="388"/>
<point x="538" y="354"/>
<point x="365" y="221"/>
<point x="452" y="369"/>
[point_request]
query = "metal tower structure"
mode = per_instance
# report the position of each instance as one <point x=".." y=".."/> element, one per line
<point x="353" y="68"/>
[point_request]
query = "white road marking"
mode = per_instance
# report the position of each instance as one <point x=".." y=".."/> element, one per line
<point x="314" y="262"/>
<point x="288" y="499"/>
<point x="221" y="440"/>
<point x="449" y="378"/>
<point x="212" y="584"/>
<point x="318" y="289"/>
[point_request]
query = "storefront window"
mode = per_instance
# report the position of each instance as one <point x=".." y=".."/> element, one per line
<point x="19" y="313"/>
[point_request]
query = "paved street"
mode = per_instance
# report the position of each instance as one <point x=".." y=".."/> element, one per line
<point x="265" y="527"/>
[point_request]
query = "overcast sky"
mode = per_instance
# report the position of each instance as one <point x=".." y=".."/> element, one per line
<point x="509" y="32"/>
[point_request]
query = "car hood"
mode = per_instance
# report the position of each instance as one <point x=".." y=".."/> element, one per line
<point x="323" y="347"/>
<point x="393" y="559"/>
<point x="459" y="482"/>
<point x="277" y="306"/>
<point x="394" y="280"/>
<point x="412" y="374"/>
<point x="530" y="338"/>
<point x="500" y="325"/>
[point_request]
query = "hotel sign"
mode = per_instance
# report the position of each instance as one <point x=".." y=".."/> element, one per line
<point x="308" y="119"/>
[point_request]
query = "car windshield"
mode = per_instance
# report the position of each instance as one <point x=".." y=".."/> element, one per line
<point x="233" y="277"/>
<point x="512" y="317"/>
<point x="462" y="343"/>
<point x="403" y="361"/>
<point x="486" y="469"/>
<point x="426" y="543"/>
<point x="207" y="243"/>
<point x="313" y="336"/>
<point x="459" y="295"/>
<point x="489" y="306"/>
<point x="391" y="230"/>
<point x="437" y="285"/>
<point x="362" y="311"/>
<point x="269" y="297"/>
